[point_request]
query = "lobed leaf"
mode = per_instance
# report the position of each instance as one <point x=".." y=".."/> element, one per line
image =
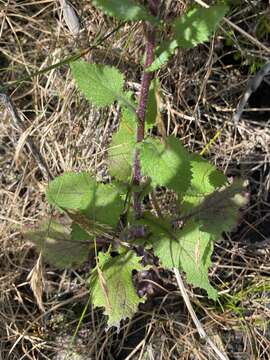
<point x="189" y="250"/>
<point x="167" y="164"/>
<point x="58" y="246"/>
<point x="112" y="288"/>
<point x="100" y="84"/>
<point x="125" y="10"/>
<point x="208" y="210"/>
<point x="189" y="30"/>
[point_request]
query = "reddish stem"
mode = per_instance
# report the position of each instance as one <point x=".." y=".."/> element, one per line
<point x="150" y="34"/>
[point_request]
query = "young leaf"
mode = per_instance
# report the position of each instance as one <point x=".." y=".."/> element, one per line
<point x="58" y="246"/>
<point x="151" y="111"/>
<point x="80" y="193"/>
<point x="189" y="30"/>
<point x="125" y="10"/>
<point x="167" y="164"/>
<point x="122" y="147"/>
<point x="101" y="84"/>
<point x="112" y="288"/>
<point x="163" y="53"/>
<point x="189" y="250"/>
<point x="120" y="154"/>
<point x="198" y="25"/>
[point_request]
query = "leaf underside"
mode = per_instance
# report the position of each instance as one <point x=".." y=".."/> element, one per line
<point x="111" y="286"/>
<point x="58" y="245"/>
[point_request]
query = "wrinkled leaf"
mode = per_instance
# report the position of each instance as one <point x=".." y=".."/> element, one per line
<point x="57" y="245"/>
<point x="206" y="178"/>
<point x="111" y="286"/>
<point x="189" y="250"/>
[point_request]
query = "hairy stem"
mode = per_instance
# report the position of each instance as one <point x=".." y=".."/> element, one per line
<point x="150" y="34"/>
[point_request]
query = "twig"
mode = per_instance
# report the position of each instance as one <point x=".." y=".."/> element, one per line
<point x="8" y="104"/>
<point x="196" y="321"/>
<point x="253" y="85"/>
<point x="70" y="17"/>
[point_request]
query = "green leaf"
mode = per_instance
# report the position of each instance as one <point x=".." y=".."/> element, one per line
<point x="209" y="199"/>
<point x="112" y="288"/>
<point x="120" y="154"/>
<point x="151" y="111"/>
<point x="57" y="245"/>
<point x="205" y="179"/>
<point x="71" y="190"/>
<point x="101" y="84"/>
<point x="77" y="233"/>
<point x="189" y="250"/>
<point x="198" y="25"/>
<point x="162" y="225"/>
<point x="80" y="193"/>
<point x="189" y="30"/>
<point x="125" y="10"/>
<point x="167" y="164"/>
<point x="164" y="52"/>
<point x="219" y="211"/>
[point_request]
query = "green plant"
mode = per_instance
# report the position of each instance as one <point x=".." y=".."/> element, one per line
<point x="108" y="219"/>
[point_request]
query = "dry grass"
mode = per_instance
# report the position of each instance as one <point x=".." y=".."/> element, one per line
<point x="201" y="89"/>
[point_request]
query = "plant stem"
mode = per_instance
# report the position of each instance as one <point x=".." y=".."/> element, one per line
<point x="146" y="81"/>
<point x="150" y="34"/>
